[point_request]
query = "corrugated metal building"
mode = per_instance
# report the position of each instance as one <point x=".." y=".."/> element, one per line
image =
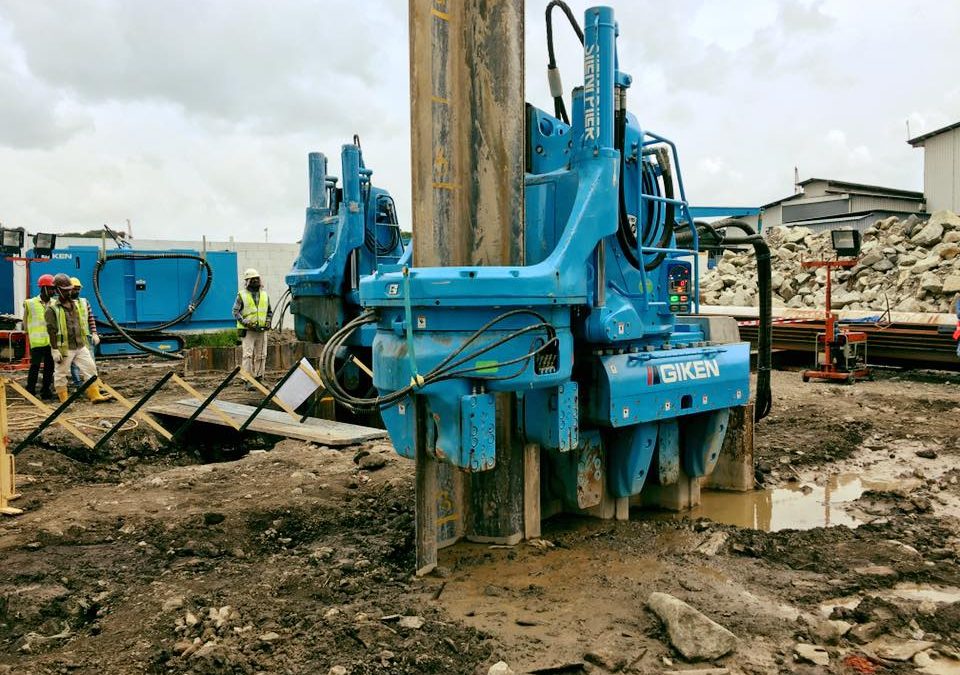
<point x="825" y="204"/>
<point x="941" y="167"/>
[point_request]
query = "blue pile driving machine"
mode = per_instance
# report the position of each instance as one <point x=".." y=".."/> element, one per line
<point x="594" y="338"/>
<point x="349" y="230"/>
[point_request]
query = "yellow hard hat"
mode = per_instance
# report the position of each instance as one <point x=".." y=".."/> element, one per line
<point x="76" y="282"/>
<point x="250" y="274"/>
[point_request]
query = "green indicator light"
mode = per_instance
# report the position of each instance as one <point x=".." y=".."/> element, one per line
<point x="674" y="298"/>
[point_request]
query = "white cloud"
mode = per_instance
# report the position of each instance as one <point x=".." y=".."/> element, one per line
<point x="195" y="118"/>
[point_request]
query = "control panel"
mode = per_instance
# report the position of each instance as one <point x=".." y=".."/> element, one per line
<point x="679" y="287"/>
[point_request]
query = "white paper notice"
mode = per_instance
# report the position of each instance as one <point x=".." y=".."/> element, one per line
<point x="299" y="386"/>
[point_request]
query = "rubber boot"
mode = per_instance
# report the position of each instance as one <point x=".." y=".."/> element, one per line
<point x="94" y="394"/>
<point x="62" y="394"/>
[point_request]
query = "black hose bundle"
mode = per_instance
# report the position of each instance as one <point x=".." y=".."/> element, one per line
<point x="192" y="306"/>
<point x="714" y="237"/>
<point x="448" y="368"/>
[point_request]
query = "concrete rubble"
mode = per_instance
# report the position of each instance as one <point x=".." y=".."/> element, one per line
<point x="913" y="265"/>
<point x="695" y="636"/>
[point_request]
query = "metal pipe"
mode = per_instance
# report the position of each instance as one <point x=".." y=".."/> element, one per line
<point x="599" y="67"/>
<point x="317" y="170"/>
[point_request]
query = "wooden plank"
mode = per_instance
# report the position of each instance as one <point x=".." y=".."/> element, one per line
<point x="275" y="422"/>
<point x="44" y="408"/>
<point x="142" y="416"/>
<point x="214" y="407"/>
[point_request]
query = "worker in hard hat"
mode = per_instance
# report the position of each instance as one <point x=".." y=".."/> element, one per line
<point x="253" y="313"/>
<point x="34" y="322"/>
<point x="94" y="337"/>
<point x="69" y="331"/>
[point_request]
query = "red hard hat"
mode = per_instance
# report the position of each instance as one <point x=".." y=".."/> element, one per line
<point x="45" y="280"/>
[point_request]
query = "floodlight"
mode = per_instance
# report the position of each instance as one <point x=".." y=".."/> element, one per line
<point x="43" y="244"/>
<point x="11" y="241"/>
<point x="846" y="242"/>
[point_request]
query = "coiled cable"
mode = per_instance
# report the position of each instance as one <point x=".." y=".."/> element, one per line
<point x="195" y="301"/>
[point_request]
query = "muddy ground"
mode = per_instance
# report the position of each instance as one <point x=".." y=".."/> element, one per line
<point x="226" y="557"/>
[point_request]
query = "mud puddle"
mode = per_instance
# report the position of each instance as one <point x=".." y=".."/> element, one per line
<point x="792" y="506"/>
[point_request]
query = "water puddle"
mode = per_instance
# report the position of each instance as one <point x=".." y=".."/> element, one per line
<point x="936" y="595"/>
<point x="794" y="507"/>
<point x="923" y="593"/>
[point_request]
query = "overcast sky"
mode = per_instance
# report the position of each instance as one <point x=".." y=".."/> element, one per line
<point x="195" y="117"/>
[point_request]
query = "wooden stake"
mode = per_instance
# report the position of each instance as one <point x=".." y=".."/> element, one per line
<point x="44" y="408"/>
<point x="531" y="491"/>
<point x="142" y="416"/>
<point x="200" y="397"/>
<point x="266" y="392"/>
<point x="8" y="467"/>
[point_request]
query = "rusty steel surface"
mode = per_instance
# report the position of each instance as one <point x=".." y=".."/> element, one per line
<point x="467" y="131"/>
<point x="467" y="170"/>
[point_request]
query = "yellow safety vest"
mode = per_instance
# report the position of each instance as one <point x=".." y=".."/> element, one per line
<point x="36" y="323"/>
<point x="62" y="343"/>
<point x="253" y="311"/>
<point x="84" y="310"/>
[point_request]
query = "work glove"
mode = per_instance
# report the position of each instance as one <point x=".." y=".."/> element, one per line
<point x="57" y="356"/>
<point x="96" y="339"/>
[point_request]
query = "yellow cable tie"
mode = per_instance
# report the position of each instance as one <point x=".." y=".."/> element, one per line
<point x="417" y="381"/>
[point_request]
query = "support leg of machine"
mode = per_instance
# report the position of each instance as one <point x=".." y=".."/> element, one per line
<point x="735" y="467"/>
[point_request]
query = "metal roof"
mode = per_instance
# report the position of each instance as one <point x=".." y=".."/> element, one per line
<point x="853" y="188"/>
<point x="918" y="141"/>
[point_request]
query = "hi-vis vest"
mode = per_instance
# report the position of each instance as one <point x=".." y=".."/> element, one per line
<point x="36" y="324"/>
<point x="62" y="343"/>
<point x="250" y="311"/>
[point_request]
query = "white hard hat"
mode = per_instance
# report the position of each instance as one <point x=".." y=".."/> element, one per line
<point x="250" y="274"/>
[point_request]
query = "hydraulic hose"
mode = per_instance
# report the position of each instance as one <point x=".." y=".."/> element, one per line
<point x="714" y="237"/>
<point x="454" y="365"/>
<point x="195" y="301"/>
<point x="553" y="75"/>
<point x="630" y="239"/>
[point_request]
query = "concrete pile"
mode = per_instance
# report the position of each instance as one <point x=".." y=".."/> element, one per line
<point x="912" y="264"/>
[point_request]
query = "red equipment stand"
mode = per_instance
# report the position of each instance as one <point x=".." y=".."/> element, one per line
<point x="844" y="352"/>
<point x="14" y="344"/>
